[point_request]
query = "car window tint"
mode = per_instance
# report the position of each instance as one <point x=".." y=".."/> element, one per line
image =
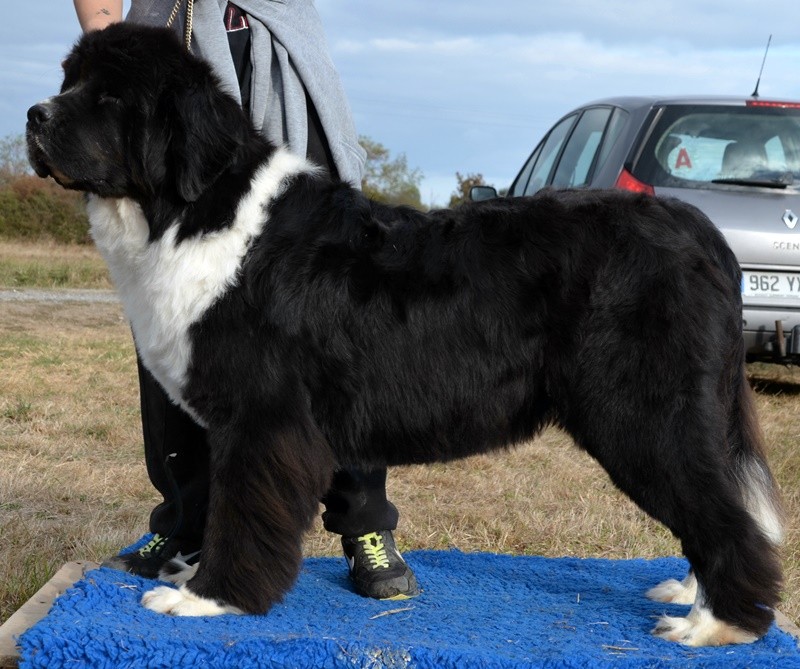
<point x="518" y="187"/>
<point x="693" y="146"/>
<point x="616" y="123"/>
<point x="548" y="154"/>
<point x="578" y="156"/>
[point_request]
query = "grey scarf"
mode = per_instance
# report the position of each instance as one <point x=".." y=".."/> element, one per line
<point x="289" y="53"/>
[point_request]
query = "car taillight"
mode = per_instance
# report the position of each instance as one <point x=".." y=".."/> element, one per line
<point x="772" y="103"/>
<point x="626" y="181"/>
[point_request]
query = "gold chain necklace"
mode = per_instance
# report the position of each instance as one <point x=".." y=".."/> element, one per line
<point x="187" y="29"/>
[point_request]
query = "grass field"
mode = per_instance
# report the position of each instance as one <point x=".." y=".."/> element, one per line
<point x="73" y="484"/>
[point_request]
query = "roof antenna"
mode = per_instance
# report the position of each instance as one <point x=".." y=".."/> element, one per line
<point x="754" y="94"/>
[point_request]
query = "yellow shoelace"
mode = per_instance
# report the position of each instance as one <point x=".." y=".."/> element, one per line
<point x="151" y="545"/>
<point x="375" y="550"/>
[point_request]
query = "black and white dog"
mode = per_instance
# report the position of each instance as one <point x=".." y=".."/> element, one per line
<point x="307" y="327"/>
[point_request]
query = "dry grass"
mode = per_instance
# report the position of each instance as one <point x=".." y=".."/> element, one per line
<point x="51" y="266"/>
<point x="73" y="484"/>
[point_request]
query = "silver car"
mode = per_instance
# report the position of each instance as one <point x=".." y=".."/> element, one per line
<point x="737" y="159"/>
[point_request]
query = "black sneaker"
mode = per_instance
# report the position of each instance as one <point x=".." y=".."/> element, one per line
<point x="148" y="560"/>
<point x="376" y="567"/>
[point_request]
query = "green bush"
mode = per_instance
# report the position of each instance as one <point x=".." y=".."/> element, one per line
<point x="34" y="209"/>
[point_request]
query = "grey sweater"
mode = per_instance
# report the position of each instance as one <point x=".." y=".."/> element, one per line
<point x="288" y="51"/>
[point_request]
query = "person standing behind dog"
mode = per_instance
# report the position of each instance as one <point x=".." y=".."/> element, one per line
<point x="273" y="58"/>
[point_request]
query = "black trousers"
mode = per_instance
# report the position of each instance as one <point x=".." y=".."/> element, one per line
<point x="176" y="448"/>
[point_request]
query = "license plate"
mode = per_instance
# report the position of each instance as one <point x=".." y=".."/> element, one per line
<point x="771" y="284"/>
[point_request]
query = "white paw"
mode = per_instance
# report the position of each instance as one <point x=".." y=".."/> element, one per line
<point x="675" y="592"/>
<point x="183" y="602"/>
<point x="177" y="572"/>
<point x="700" y="630"/>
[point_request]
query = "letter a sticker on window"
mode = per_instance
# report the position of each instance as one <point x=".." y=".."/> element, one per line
<point x="683" y="159"/>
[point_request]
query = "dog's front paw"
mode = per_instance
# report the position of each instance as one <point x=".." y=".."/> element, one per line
<point x="183" y="602"/>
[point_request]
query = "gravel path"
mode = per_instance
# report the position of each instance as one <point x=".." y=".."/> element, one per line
<point x="57" y="295"/>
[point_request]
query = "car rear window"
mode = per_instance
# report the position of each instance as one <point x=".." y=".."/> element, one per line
<point x="702" y="145"/>
<point x="590" y="134"/>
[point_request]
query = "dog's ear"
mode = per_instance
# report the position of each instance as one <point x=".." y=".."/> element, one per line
<point x="209" y="129"/>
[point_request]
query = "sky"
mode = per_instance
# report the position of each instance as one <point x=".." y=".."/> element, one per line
<point x="470" y="87"/>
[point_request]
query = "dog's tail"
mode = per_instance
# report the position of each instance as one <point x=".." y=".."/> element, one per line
<point x="749" y="464"/>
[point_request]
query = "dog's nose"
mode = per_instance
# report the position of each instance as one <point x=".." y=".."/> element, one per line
<point x="40" y="114"/>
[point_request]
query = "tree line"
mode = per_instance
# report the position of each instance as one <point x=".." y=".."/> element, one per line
<point x="32" y="208"/>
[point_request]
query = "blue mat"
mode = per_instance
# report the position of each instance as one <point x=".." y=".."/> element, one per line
<point x="476" y="610"/>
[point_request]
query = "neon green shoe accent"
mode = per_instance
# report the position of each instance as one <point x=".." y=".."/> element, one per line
<point x="375" y="550"/>
<point x="377" y="569"/>
<point x="151" y="545"/>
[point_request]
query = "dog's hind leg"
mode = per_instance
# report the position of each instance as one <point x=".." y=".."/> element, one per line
<point x="732" y="545"/>
<point x="749" y="470"/>
<point x="265" y="491"/>
<point x="691" y="462"/>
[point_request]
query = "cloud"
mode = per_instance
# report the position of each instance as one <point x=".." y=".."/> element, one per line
<point x="478" y="103"/>
<point x="702" y="23"/>
<point x="560" y="57"/>
<point x="470" y="87"/>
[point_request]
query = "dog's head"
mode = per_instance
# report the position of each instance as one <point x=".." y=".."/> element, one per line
<point x="137" y="116"/>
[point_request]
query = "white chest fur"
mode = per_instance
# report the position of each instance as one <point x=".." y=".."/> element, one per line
<point x="166" y="286"/>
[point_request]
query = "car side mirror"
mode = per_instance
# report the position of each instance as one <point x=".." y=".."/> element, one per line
<point x="481" y="193"/>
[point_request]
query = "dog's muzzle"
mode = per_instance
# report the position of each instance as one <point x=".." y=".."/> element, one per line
<point x="39" y="117"/>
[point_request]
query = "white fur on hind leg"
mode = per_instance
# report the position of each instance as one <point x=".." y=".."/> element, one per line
<point x="183" y="602"/>
<point x="675" y="592"/>
<point x="701" y="628"/>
